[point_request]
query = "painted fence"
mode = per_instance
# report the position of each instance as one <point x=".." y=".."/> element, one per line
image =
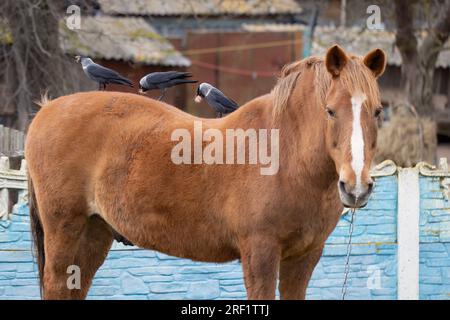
<point x="384" y="264"/>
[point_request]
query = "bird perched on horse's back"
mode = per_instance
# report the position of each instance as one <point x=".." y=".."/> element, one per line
<point x="216" y="99"/>
<point x="163" y="81"/>
<point x="100" y="74"/>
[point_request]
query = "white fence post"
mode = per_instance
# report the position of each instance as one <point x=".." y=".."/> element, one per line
<point x="408" y="234"/>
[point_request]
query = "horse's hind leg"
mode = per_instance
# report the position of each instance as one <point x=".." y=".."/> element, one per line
<point x="71" y="240"/>
<point x="63" y="230"/>
<point x="93" y="248"/>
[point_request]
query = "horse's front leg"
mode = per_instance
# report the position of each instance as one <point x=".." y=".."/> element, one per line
<point x="260" y="258"/>
<point x="295" y="273"/>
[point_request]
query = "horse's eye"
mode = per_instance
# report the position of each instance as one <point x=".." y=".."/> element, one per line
<point x="330" y="112"/>
<point x="377" y="113"/>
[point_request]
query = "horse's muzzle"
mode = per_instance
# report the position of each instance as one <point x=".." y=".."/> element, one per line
<point x="353" y="199"/>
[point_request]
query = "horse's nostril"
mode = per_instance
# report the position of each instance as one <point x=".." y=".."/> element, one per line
<point x="369" y="187"/>
<point x="342" y="186"/>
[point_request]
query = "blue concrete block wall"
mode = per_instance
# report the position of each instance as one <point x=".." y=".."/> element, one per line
<point x="131" y="273"/>
<point x="373" y="262"/>
<point x="434" y="241"/>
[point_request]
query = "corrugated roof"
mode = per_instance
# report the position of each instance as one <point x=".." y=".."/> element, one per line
<point x="199" y="7"/>
<point x="120" y="38"/>
<point x="353" y="39"/>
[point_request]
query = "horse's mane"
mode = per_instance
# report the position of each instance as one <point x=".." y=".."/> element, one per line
<point x="44" y="99"/>
<point x="355" y="76"/>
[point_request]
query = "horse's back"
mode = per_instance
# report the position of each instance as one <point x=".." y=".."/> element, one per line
<point x="73" y="137"/>
<point x="99" y="110"/>
<point x="78" y="120"/>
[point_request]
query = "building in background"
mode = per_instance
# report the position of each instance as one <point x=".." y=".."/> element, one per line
<point x="175" y="18"/>
<point x="212" y="34"/>
<point x="128" y="45"/>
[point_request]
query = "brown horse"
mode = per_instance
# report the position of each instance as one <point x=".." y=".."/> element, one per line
<point x="100" y="164"/>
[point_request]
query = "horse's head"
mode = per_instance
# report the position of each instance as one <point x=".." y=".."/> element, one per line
<point x="352" y="107"/>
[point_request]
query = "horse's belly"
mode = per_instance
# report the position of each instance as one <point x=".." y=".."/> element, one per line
<point x="194" y="249"/>
<point x="216" y="255"/>
<point x="181" y="237"/>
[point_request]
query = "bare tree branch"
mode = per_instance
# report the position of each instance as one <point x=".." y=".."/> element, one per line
<point x="33" y="62"/>
<point x="435" y="41"/>
<point x="405" y="39"/>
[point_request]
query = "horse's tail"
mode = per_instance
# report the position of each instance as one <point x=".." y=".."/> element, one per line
<point x="37" y="231"/>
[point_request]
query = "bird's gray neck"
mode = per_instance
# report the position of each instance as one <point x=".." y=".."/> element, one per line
<point x="86" y="61"/>
<point x="206" y="88"/>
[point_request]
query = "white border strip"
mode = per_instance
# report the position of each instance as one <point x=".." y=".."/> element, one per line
<point x="408" y="234"/>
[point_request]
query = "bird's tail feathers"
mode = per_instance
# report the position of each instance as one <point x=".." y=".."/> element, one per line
<point x="123" y="81"/>
<point x="186" y="75"/>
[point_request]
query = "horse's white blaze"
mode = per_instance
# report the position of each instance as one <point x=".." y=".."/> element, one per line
<point x="357" y="141"/>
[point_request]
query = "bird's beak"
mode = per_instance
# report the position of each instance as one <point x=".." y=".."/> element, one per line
<point x="198" y="99"/>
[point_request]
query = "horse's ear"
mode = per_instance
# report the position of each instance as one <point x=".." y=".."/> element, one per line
<point x="375" y="60"/>
<point x="335" y="60"/>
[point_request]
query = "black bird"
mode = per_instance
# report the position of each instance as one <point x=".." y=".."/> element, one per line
<point x="163" y="81"/>
<point x="100" y="74"/>
<point x="215" y="99"/>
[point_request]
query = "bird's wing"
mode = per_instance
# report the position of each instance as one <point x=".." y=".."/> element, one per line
<point x="175" y="82"/>
<point x="99" y="71"/>
<point x="160" y="77"/>
<point x="217" y="96"/>
<point x="179" y="75"/>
